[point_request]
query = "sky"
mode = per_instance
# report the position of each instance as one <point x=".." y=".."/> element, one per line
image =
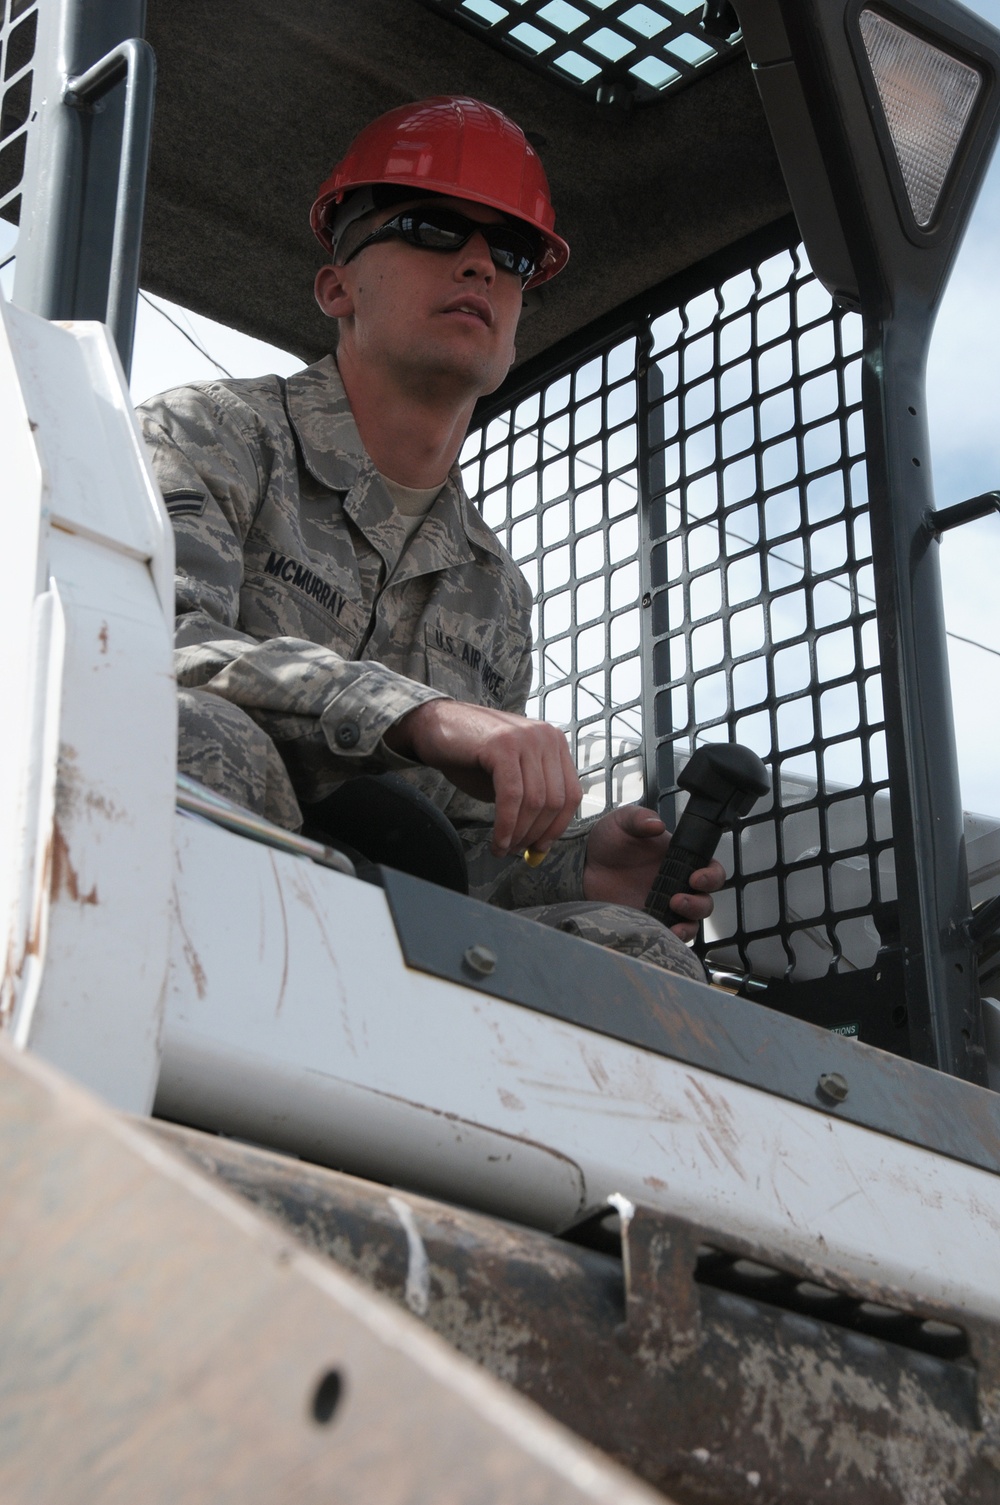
<point x="963" y="390"/>
<point x="963" y="394"/>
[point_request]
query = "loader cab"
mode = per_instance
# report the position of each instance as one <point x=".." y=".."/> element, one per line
<point x="741" y="1237"/>
<point x="683" y="461"/>
<point x="707" y="460"/>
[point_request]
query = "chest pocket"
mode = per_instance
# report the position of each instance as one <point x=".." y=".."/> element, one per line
<point x="468" y="659"/>
<point x="287" y="596"/>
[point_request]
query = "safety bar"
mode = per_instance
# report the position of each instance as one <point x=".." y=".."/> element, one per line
<point x="135" y="61"/>
<point x="194" y="799"/>
<point x="938" y="521"/>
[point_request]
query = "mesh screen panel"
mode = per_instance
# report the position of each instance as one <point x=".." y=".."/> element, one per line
<point x="18" y="29"/>
<point x="557" y="478"/>
<point x="689" y="503"/>
<point x="606" y="48"/>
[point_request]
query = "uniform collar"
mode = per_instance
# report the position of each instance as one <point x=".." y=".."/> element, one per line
<point x="320" y="415"/>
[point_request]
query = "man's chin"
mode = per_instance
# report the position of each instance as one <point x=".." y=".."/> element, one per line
<point x="466" y="375"/>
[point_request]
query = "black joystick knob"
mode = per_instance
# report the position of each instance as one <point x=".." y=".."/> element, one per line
<point x="724" y="782"/>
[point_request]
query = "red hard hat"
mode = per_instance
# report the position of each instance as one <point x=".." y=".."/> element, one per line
<point x="455" y="147"/>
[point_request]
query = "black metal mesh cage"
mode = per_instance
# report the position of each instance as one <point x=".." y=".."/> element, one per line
<point x="610" y="50"/>
<point x="18" y="30"/>
<point x="687" y="497"/>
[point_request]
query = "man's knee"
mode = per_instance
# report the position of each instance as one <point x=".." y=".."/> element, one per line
<point x="223" y="748"/>
<point x="621" y="928"/>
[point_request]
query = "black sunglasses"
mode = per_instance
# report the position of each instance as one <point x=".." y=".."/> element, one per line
<point x="436" y="229"/>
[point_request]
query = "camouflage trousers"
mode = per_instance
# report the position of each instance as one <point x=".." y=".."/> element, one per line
<point x="621" y="928"/>
<point x="224" y="749"/>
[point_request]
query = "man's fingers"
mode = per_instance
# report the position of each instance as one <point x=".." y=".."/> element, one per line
<point x="562" y="795"/>
<point x="566" y="780"/>
<point x="547" y="793"/>
<point x="538" y="794"/>
<point x="524" y="795"/>
<point x="635" y="820"/>
<point x="693" y="907"/>
<point x="708" y="880"/>
<point x="519" y="787"/>
<point x="508" y="795"/>
<point x="524" y="765"/>
<point x="548" y="806"/>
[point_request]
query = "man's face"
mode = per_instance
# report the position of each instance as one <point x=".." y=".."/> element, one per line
<point x="441" y="320"/>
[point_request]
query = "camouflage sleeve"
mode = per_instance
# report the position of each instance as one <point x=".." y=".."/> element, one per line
<point x="211" y="461"/>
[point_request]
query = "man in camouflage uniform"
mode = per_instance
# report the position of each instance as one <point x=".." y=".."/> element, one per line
<point x="342" y="608"/>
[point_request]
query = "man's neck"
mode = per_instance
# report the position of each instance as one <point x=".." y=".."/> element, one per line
<point x="413" y="437"/>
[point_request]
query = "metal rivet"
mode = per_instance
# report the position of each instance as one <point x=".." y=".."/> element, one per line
<point x="833" y="1086"/>
<point x="480" y="959"/>
<point x="647" y="599"/>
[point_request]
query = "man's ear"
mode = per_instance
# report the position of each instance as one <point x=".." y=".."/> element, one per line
<point x="331" y="293"/>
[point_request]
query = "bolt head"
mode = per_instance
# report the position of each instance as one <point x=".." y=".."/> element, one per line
<point x="832" y="1086"/>
<point x="481" y="960"/>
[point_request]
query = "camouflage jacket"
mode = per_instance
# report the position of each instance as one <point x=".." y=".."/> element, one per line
<point x="299" y="599"/>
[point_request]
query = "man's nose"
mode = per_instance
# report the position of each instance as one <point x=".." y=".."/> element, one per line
<point x="476" y="260"/>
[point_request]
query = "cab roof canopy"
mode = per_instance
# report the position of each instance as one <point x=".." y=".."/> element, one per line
<point x="255" y="102"/>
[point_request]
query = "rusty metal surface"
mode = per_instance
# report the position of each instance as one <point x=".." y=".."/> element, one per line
<point x="162" y="1343"/>
<point x="628" y="1000"/>
<point x="718" y="1371"/>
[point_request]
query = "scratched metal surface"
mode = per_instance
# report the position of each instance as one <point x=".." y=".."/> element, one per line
<point x="161" y="1342"/>
<point x="86" y="817"/>
<point x="716" y="1370"/>
<point x="627" y="1000"/>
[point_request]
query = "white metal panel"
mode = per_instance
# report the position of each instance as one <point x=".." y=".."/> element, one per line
<point x="88" y="795"/>
<point x="96" y="1014"/>
<point x="96" y="479"/>
<point x="291" y="1019"/>
<point x="27" y="800"/>
<point x="25" y="631"/>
